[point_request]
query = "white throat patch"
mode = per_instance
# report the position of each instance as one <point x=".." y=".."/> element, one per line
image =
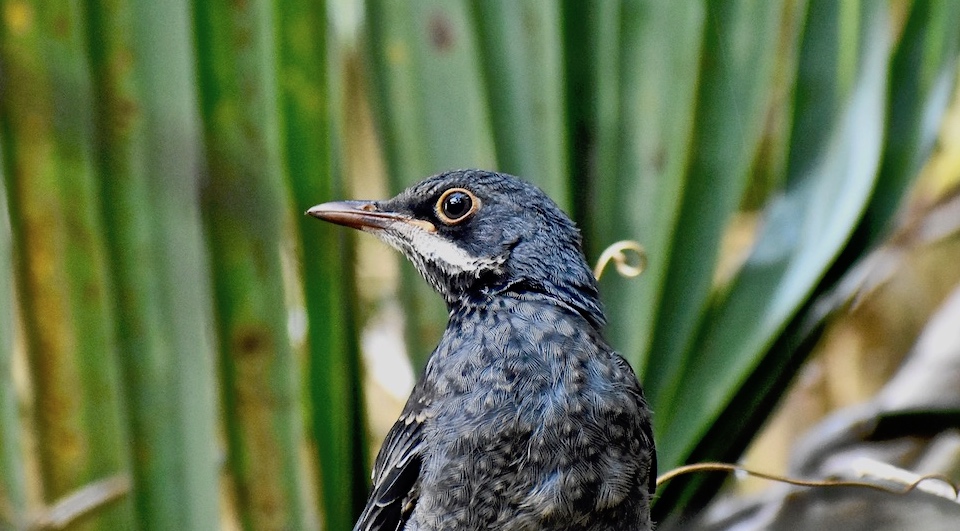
<point x="419" y="244"/>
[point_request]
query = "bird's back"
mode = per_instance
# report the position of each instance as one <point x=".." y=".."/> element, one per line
<point x="524" y="419"/>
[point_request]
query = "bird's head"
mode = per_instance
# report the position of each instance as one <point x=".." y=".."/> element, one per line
<point x="475" y="233"/>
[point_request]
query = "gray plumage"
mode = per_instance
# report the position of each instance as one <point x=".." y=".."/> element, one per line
<point x="524" y="419"/>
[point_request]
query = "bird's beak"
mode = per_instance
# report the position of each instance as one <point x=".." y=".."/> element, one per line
<point x="364" y="215"/>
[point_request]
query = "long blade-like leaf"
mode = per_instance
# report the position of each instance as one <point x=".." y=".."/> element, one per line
<point x="13" y="494"/>
<point x="173" y="161"/>
<point x="151" y="156"/>
<point x="643" y="154"/>
<point x="243" y="211"/>
<point x="923" y="73"/>
<point x="754" y="401"/>
<point x="732" y="103"/>
<point x="580" y="74"/>
<point x="832" y="176"/>
<point x="334" y="370"/>
<point x="61" y="259"/>
<point x="523" y="72"/>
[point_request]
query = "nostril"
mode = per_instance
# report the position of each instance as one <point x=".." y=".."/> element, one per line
<point x="369" y="207"/>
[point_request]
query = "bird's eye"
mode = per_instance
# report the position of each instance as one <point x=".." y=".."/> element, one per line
<point x="456" y="205"/>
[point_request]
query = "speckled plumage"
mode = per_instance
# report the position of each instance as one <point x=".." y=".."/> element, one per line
<point x="524" y="419"/>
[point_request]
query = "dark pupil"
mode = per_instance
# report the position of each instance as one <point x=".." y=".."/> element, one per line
<point x="456" y="205"/>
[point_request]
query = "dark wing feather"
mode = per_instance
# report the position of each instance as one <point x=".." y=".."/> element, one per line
<point x="396" y="474"/>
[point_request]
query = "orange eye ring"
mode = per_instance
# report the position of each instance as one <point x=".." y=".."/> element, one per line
<point x="456" y="205"/>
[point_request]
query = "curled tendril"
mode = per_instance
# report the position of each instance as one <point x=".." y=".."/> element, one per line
<point x="617" y="253"/>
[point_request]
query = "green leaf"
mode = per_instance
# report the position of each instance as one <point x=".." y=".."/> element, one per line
<point x="923" y="73"/>
<point x="520" y="47"/>
<point x="908" y="138"/>
<point x="47" y="120"/>
<point x="645" y="123"/>
<point x="578" y="28"/>
<point x="832" y="175"/>
<point x="336" y="406"/>
<point x="734" y="94"/>
<point x="243" y="207"/>
<point x="149" y="146"/>
<point x="172" y="133"/>
<point x="13" y="493"/>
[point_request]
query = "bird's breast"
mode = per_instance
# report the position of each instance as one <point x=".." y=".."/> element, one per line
<point x="536" y="422"/>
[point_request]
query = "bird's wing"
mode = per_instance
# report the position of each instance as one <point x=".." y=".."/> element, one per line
<point x="396" y="474"/>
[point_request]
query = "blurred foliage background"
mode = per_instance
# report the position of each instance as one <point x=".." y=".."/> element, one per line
<point x="181" y="349"/>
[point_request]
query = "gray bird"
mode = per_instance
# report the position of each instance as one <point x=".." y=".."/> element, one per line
<point x="524" y="418"/>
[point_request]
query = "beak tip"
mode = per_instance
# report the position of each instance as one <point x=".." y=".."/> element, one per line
<point x="314" y="211"/>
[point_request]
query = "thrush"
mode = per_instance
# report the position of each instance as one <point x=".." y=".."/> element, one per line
<point x="524" y="417"/>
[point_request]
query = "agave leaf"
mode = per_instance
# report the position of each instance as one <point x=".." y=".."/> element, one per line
<point x="830" y="180"/>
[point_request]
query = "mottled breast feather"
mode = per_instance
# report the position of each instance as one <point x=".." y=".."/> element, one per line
<point x="541" y="427"/>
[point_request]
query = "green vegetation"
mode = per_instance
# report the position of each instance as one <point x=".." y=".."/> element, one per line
<point x="158" y="157"/>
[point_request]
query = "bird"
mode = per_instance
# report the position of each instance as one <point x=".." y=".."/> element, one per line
<point x="524" y="417"/>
